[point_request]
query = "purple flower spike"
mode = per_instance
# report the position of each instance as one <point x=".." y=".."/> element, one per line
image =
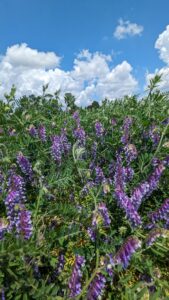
<point x="130" y="152"/>
<point x="42" y="133"/>
<point x="80" y="136"/>
<point x="24" y="224"/>
<point x="99" y="175"/>
<point x="61" y="263"/>
<point x="32" y="131"/>
<point x="126" y="251"/>
<point x="11" y="202"/>
<point x="154" y="234"/>
<point x="154" y="135"/>
<point x="74" y="282"/>
<point x="56" y="149"/>
<point x="129" y="173"/>
<point x="92" y="233"/>
<point x="161" y="213"/>
<point x="99" y="129"/>
<point x="146" y="188"/>
<point x="127" y="206"/>
<point x="96" y="287"/>
<point x="25" y="165"/>
<point x="86" y="189"/>
<point x="104" y="213"/>
<point x="66" y="146"/>
<point x="60" y="146"/>
<point x="126" y="126"/>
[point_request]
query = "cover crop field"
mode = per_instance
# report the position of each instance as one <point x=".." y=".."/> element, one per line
<point x="84" y="198"/>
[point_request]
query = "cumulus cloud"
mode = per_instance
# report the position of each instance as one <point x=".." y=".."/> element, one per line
<point x="22" y="55"/>
<point x="126" y="28"/>
<point x="91" y="77"/>
<point x="162" y="44"/>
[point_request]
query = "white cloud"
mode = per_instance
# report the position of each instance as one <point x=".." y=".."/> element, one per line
<point x="22" y="55"/>
<point x="126" y="28"/>
<point x="91" y="77"/>
<point x="162" y="44"/>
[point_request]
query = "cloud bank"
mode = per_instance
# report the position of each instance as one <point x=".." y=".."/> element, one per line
<point x="91" y="77"/>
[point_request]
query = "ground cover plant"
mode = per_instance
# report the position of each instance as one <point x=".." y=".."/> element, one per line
<point x="84" y="197"/>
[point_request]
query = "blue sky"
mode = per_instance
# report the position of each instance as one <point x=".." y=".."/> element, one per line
<point x="66" y="27"/>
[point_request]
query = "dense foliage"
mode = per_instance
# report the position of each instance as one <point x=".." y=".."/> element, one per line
<point x="84" y="198"/>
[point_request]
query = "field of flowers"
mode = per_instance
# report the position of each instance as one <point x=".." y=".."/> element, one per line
<point x="84" y="198"/>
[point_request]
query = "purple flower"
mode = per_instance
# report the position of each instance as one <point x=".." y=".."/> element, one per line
<point x="66" y="146"/>
<point x="24" y="223"/>
<point x="111" y="169"/>
<point x="120" y="175"/>
<point x="25" y="165"/>
<point x="16" y="183"/>
<point x="154" y="234"/>
<point x="92" y="233"/>
<point x="129" y="173"/>
<point x="155" y="162"/>
<point x="32" y="131"/>
<point x="61" y="263"/>
<point x="104" y="213"/>
<point x="12" y="201"/>
<point x="138" y="194"/>
<point x="162" y="213"/>
<point x="109" y="263"/>
<point x="154" y="135"/>
<point x="130" y="152"/>
<point x="100" y="178"/>
<point x="2" y="294"/>
<point x="147" y="187"/>
<point x="18" y="217"/>
<point x="89" y="185"/>
<point x="126" y="251"/>
<point x="56" y="149"/>
<point x="42" y="133"/>
<point x="123" y="200"/>
<point x="126" y="204"/>
<point x="96" y="287"/>
<point x="80" y="135"/>
<point x="75" y="280"/>
<point x="60" y="146"/>
<point x="154" y="179"/>
<point x="3" y="228"/>
<point x="166" y="225"/>
<point x="165" y="122"/>
<point x="76" y="118"/>
<point x="99" y="129"/>
<point x="126" y="126"/>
